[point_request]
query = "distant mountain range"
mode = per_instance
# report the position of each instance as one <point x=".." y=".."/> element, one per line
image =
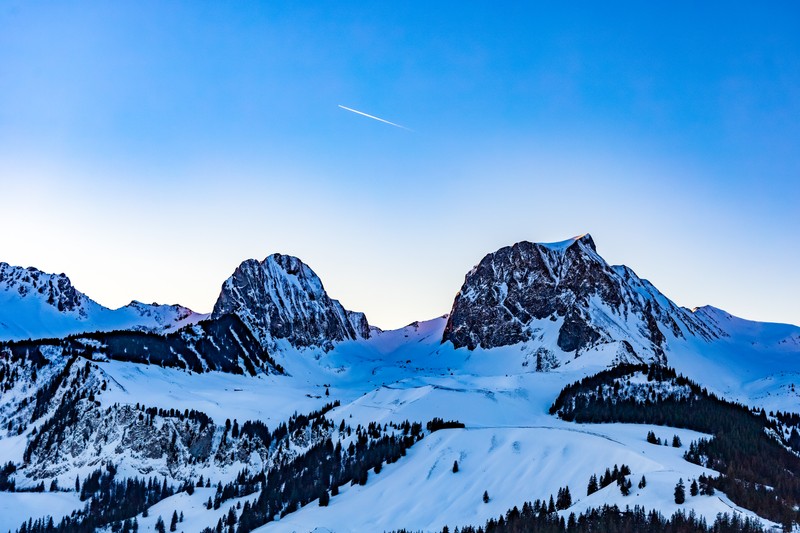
<point x="280" y="386"/>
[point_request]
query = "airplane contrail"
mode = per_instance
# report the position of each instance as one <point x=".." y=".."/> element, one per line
<point x="374" y="117"/>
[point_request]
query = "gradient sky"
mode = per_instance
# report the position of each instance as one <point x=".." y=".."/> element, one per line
<point x="147" y="148"/>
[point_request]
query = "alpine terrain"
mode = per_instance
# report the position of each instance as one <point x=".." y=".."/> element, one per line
<point x="560" y="393"/>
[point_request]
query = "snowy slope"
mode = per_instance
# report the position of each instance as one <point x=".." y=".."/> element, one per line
<point x="497" y="376"/>
<point x="513" y="465"/>
<point x="756" y="363"/>
<point x="511" y="447"/>
<point x="15" y="507"/>
<point x="34" y="304"/>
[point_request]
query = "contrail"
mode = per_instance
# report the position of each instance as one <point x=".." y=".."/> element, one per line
<point x="373" y="117"/>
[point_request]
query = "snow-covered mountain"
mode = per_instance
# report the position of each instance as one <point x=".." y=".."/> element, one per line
<point x="282" y="298"/>
<point x="304" y="414"/>
<point x="35" y="304"/>
<point x="565" y="297"/>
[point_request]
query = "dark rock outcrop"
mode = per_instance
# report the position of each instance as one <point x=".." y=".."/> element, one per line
<point x="512" y="293"/>
<point x="282" y="298"/>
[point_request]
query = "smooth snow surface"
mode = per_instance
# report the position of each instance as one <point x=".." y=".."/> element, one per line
<point x="18" y="507"/>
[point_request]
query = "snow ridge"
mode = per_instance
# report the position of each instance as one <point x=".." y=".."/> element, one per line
<point x="35" y="304"/>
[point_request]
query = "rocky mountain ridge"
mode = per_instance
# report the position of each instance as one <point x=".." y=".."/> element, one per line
<point x="527" y="290"/>
<point x="35" y="304"/>
<point x="282" y="298"/>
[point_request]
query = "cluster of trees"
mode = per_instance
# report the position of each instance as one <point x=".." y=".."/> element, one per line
<point x="563" y="499"/>
<point x="617" y="474"/>
<point x="14" y="361"/>
<point x="741" y="448"/>
<point x="436" y="424"/>
<point x="222" y="344"/>
<point x="109" y="502"/>
<point x="700" y="486"/>
<point x="188" y="414"/>
<point x="112" y="502"/>
<point x="7" y="482"/>
<point x="318" y="473"/>
<point x="652" y="439"/>
<point x="66" y="412"/>
<point x="608" y="519"/>
<point x="160" y="526"/>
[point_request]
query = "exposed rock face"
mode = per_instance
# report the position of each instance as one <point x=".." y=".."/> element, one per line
<point x="282" y="298"/>
<point x="76" y="431"/>
<point x="360" y="324"/>
<point x="164" y="317"/>
<point x="55" y="290"/>
<point x="512" y="295"/>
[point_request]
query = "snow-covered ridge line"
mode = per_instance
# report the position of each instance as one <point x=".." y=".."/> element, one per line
<point x="512" y="293"/>
<point x="35" y="304"/>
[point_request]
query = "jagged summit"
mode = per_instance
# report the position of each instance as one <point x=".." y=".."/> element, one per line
<point x="282" y="298"/>
<point x="586" y="239"/>
<point x="35" y="304"/>
<point x="54" y="289"/>
<point x="567" y="297"/>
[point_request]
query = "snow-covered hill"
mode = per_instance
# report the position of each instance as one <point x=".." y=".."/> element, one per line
<point x="34" y="305"/>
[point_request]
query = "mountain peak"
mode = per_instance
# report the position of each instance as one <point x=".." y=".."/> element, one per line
<point x="54" y="289"/>
<point x="567" y="298"/>
<point x="283" y="298"/>
<point x="584" y="239"/>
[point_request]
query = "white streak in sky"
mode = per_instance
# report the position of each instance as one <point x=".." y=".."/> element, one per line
<point x="376" y="118"/>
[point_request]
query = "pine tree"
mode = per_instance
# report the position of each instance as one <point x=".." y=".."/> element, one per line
<point x="651" y="438"/>
<point x="455" y="467"/>
<point x="642" y="482"/>
<point x="676" y="441"/>
<point x="173" y="524"/>
<point x="564" y="499"/>
<point x="680" y="492"/>
<point x="486" y="496"/>
<point x="324" y="499"/>
<point x="625" y="485"/>
<point x="592" y="487"/>
<point x="160" y="527"/>
<point x="693" y="488"/>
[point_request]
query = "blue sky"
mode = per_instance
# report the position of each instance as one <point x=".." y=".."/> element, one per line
<point x="146" y="148"/>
